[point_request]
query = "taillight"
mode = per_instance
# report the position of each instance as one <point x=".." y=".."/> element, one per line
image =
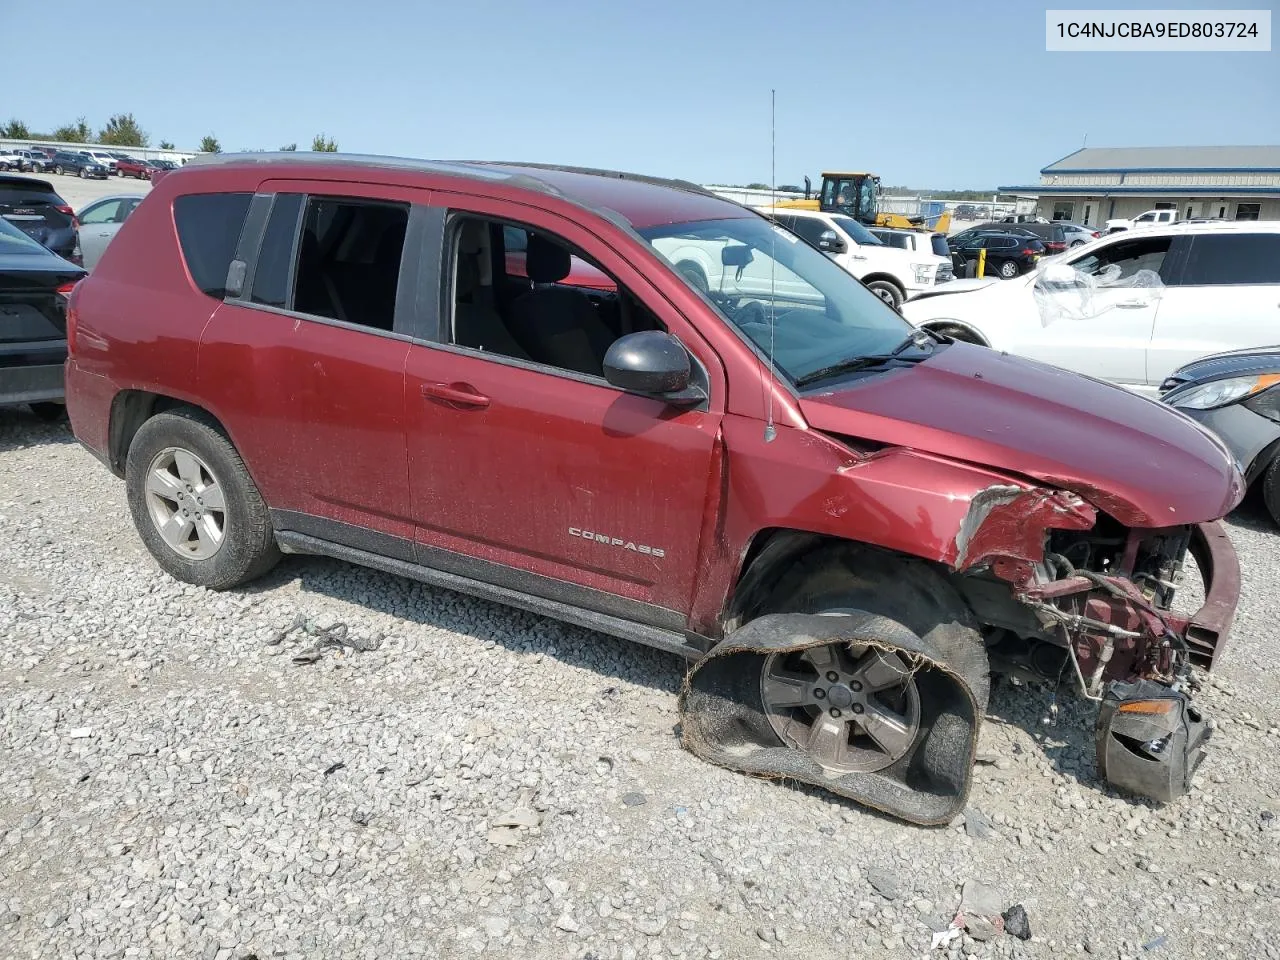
<point x="63" y="208"/>
<point x="1029" y="252"/>
<point x="68" y="290"/>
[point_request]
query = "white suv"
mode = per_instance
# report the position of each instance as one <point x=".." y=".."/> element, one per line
<point x="892" y="274"/>
<point x="1129" y="307"/>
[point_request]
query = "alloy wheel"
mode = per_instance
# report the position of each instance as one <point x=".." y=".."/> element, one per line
<point x="186" y="503"/>
<point x="852" y="708"/>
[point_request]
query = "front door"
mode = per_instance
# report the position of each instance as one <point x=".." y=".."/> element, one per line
<point x="529" y="473"/>
<point x="1097" y="317"/>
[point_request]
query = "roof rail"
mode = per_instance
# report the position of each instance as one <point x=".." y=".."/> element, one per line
<point x="674" y="184"/>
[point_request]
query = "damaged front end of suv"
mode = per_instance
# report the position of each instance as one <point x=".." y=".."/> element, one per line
<point x="1094" y="603"/>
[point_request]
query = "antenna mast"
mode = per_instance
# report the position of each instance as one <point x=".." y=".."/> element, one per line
<point x="770" y="432"/>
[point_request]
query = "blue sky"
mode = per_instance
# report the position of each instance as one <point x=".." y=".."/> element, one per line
<point x="924" y="93"/>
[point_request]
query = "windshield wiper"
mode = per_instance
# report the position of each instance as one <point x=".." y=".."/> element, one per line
<point x="918" y="338"/>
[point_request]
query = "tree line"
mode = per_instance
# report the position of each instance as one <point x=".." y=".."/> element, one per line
<point x="123" y="130"/>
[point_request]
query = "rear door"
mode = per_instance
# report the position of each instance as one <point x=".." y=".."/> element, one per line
<point x="1225" y="297"/>
<point x="306" y="359"/>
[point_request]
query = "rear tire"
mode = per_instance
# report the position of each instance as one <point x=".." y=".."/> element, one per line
<point x="1009" y="269"/>
<point x="1271" y="489"/>
<point x="176" y="462"/>
<point x="886" y="291"/>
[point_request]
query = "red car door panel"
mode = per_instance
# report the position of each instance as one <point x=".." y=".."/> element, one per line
<point x="317" y="411"/>
<point x="564" y="478"/>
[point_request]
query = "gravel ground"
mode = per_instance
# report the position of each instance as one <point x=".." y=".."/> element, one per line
<point x="489" y="782"/>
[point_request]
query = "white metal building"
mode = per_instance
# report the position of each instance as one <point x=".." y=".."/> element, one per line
<point x="1096" y="184"/>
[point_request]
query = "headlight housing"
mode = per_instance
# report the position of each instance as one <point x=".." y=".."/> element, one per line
<point x="1220" y="393"/>
<point x="924" y="272"/>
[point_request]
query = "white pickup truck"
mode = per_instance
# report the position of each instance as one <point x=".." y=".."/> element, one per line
<point x="893" y="274"/>
<point x="1147" y="219"/>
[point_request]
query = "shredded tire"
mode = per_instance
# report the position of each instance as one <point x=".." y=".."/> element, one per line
<point x="724" y="721"/>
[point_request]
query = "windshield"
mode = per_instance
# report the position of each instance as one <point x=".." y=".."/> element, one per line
<point x="856" y="230"/>
<point x="13" y="240"/>
<point x="751" y="270"/>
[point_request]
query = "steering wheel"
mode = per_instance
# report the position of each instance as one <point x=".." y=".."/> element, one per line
<point x="750" y="312"/>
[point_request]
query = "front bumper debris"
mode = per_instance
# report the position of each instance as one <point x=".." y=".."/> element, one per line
<point x="1150" y="739"/>
<point x="723" y="719"/>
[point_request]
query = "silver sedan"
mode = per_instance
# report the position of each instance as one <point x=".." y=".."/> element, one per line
<point x="99" y="222"/>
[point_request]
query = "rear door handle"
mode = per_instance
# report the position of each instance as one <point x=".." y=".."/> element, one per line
<point x="456" y="394"/>
<point x="1132" y="304"/>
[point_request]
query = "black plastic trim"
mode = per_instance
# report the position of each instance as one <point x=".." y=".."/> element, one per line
<point x="499" y="575"/>
<point x="668" y="640"/>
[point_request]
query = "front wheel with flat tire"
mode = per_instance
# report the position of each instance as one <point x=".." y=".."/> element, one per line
<point x="194" y="503"/>
<point x="1009" y="269"/>
<point x="886" y="291"/>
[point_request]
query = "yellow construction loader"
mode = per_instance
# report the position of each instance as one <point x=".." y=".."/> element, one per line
<point x="858" y="195"/>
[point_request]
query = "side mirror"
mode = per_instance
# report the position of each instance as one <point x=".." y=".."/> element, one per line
<point x="653" y="364"/>
<point x="736" y="255"/>
<point x="830" y="242"/>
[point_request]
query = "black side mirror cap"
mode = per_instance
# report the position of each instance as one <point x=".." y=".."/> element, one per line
<point x="654" y="364"/>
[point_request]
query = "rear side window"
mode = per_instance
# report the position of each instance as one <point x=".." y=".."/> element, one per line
<point x="209" y="226"/>
<point x="275" y="260"/>
<point x="898" y="240"/>
<point x="349" y="260"/>
<point x="1229" y="259"/>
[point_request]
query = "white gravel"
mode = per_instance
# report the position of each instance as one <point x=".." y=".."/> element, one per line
<point x="491" y="783"/>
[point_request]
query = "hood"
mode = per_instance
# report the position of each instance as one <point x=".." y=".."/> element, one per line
<point x="1234" y="363"/>
<point x="1136" y="459"/>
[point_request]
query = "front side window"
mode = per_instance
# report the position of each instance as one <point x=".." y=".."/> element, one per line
<point x="1120" y="261"/>
<point x="209" y="226"/>
<point x="860" y="234"/>
<point x="783" y="295"/>
<point x="1232" y="259"/>
<point x="529" y="295"/>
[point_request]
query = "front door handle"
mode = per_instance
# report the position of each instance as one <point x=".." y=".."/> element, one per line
<point x="456" y="394"/>
<point x="1132" y="304"/>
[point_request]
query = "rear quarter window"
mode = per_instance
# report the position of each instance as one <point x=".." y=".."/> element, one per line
<point x="209" y="226"/>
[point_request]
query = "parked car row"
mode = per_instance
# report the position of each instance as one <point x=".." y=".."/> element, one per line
<point x="82" y="163"/>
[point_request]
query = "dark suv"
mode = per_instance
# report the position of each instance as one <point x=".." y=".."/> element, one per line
<point x="844" y="521"/>
<point x="77" y="164"/>
<point x="35" y="208"/>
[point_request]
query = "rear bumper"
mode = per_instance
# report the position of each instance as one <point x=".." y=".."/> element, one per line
<point x="31" y="384"/>
<point x="89" y="398"/>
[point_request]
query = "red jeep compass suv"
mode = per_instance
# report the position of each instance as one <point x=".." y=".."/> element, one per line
<point x="846" y="522"/>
